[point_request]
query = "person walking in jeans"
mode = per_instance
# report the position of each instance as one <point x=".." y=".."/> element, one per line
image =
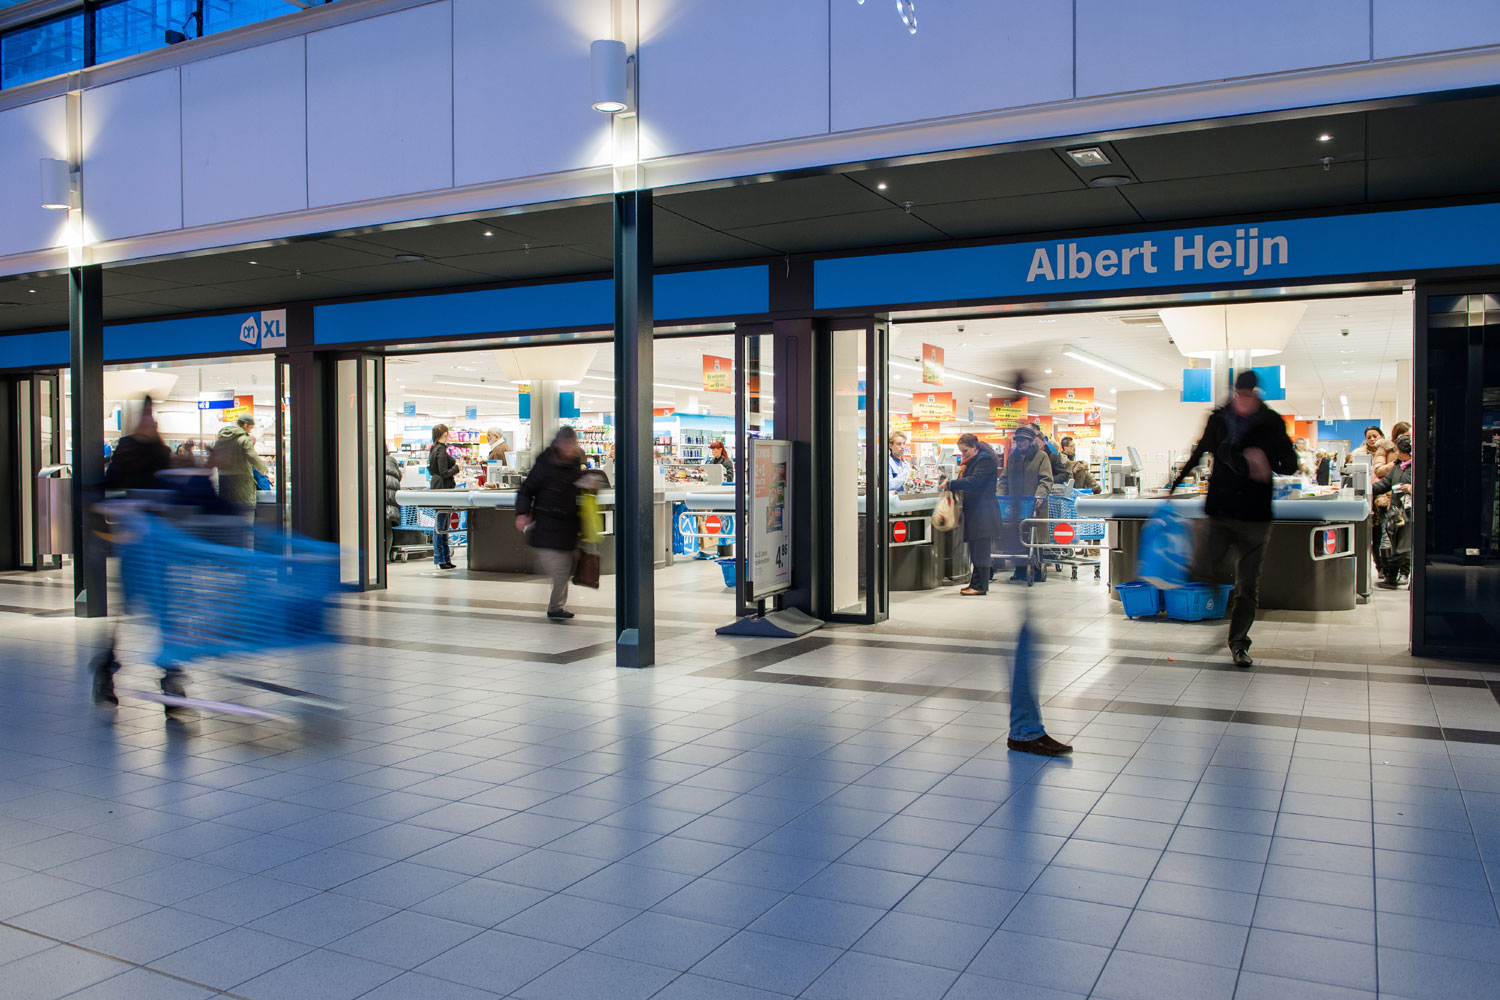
<point x="1249" y="444"/>
<point x="547" y="510"/>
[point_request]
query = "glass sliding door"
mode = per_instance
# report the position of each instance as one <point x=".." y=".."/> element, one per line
<point x="360" y="441"/>
<point x="39" y="444"/>
<point x="856" y="504"/>
<point x="753" y="380"/>
<point x="1456" y="551"/>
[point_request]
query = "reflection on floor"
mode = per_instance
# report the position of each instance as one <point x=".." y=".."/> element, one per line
<point x="499" y="812"/>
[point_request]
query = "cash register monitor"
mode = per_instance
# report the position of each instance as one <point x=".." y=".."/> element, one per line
<point x="1135" y="460"/>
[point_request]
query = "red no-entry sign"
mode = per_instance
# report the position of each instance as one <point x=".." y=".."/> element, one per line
<point x="1330" y="542"/>
<point x="898" y="531"/>
<point x="711" y="524"/>
<point x="453" y="522"/>
<point x="1062" y="534"/>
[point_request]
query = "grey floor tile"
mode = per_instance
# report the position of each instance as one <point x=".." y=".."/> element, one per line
<point x="1316" y="959"/>
<point x="496" y="961"/>
<point x="404" y="940"/>
<point x="766" y="962"/>
<point x="592" y="974"/>
<point x="1185" y="938"/>
<point x="910" y="937"/>
<point x="56" y="972"/>
<point x="231" y="958"/>
<point x="568" y="920"/>
<point x="143" y="984"/>
<point x="154" y="935"/>
<point x="321" y="919"/>
<point x="1130" y="976"/>
<point x="480" y="902"/>
<point x="665" y="940"/>
<point x="323" y="974"/>
<point x="1037" y="961"/>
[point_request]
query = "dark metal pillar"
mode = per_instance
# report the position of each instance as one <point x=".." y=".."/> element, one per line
<point x="635" y="481"/>
<point x="12" y="476"/>
<point x="86" y="350"/>
<point x="793" y="341"/>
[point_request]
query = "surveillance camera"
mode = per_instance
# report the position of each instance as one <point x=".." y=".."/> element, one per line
<point x="481" y="378"/>
<point x="1345" y="332"/>
<point x="960" y="328"/>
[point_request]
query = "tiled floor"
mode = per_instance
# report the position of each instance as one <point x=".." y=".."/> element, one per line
<point x="499" y="812"/>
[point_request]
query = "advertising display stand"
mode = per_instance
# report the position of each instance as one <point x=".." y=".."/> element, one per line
<point x="765" y="570"/>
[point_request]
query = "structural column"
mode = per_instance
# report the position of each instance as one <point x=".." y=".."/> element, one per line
<point x="86" y="346"/>
<point x="635" y="482"/>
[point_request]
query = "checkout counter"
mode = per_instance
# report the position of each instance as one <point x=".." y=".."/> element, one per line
<point x="496" y="545"/>
<point x="1313" y="556"/>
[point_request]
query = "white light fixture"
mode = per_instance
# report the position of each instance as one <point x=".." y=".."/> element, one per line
<point x="1089" y="156"/>
<point x="608" y="76"/>
<point x="1325" y="137"/>
<point x="1046" y="371"/>
<point x="1261" y="328"/>
<point x="1079" y="354"/>
<point x="57" y="184"/>
<point x="1110" y="181"/>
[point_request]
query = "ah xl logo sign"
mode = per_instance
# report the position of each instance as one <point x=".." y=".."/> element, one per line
<point x="264" y="329"/>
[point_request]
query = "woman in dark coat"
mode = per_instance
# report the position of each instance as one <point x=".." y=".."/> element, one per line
<point x="442" y="474"/>
<point x="975" y="487"/>
<point x="547" y="510"/>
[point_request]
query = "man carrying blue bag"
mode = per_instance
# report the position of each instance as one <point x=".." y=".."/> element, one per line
<point x="1249" y="444"/>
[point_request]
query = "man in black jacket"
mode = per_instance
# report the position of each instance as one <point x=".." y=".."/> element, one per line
<point x="547" y="509"/>
<point x="1249" y="443"/>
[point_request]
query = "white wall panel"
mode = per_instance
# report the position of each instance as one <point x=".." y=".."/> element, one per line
<point x="28" y="135"/>
<point x="1407" y="27"/>
<point x="132" y="156"/>
<point x="1161" y="43"/>
<point x="380" y="106"/>
<point x="718" y="74"/>
<point x="967" y="56"/>
<point x="521" y="88"/>
<point x="244" y="134"/>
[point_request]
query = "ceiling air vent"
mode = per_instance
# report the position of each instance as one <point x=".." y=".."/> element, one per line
<point x="1137" y="319"/>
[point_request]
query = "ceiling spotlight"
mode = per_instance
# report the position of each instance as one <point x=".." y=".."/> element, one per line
<point x="1089" y="156"/>
<point x="1110" y="181"/>
<point x="488" y="233"/>
<point x="252" y="262"/>
<point x="1046" y="321"/>
<point x="1325" y="137"/>
<point x="1046" y="371"/>
<point x="608" y="76"/>
<point x="881" y="186"/>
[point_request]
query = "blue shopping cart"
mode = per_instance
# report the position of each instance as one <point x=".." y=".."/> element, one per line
<point x="210" y="596"/>
<point x="1083" y="535"/>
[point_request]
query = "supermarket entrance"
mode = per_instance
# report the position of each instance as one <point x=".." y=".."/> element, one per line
<point x="1117" y="399"/>
<point x="500" y="409"/>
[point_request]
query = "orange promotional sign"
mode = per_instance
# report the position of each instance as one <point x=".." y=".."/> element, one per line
<point x="926" y="431"/>
<point x="1046" y="425"/>
<point x="717" y="373"/>
<point x="664" y="411"/>
<point x="933" y="406"/>
<point x="244" y="406"/>
<point x="1071" y="400"/>
<point x="900" y="422"/>
<point x="932" y="365"/>
<point x="1009" y="412"/>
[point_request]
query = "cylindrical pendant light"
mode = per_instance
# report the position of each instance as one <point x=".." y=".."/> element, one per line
<point x="607" y="73"/>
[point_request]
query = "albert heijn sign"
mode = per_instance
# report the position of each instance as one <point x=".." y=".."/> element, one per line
<point x="1400" y="243"/>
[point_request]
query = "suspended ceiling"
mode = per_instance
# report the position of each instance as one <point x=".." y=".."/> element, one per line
<point x="1379" y="157"/>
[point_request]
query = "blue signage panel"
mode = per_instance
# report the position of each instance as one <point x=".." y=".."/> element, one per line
<point x="250" y="331"/>
<point x="34" y="350"/>
<point x="408" y="409"/>
<point x="1373" y="243"/>
<point x="471" y="413"/>
<point x="216" y="404"/>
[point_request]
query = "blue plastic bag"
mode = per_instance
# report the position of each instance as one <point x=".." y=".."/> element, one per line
<point x="1166" y="558"/>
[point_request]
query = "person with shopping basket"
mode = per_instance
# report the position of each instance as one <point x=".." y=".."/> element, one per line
<point x="1249" y="444"/>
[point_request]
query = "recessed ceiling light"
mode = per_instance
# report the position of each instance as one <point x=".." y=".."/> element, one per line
<point x="1046" y="371"/>
<point x="1112" y="391"/>
<point x="1089" y="156"/>
<point x="31" y="290"/>
<point x="881" y="186"/>
<point x="1046" y="321"/>
<point x="252" y="262"/>
<point x="410" y="258"/>
<point x="1110" y="181"/>
<point x="488" y="233"/>
<point x="1325" y="137"/>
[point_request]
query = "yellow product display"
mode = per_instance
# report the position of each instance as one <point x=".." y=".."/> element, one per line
<point x="590" y="521"/>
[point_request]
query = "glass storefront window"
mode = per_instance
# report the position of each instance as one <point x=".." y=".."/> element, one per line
<point x="132" y="26"/>
<point x="38" y="51"/>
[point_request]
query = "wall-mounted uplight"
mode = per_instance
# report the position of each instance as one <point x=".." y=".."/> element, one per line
<point x="57" y="184"/>
<point x="608" y="76"/>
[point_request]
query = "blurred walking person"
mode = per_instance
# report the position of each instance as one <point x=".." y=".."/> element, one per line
<point x="547" y="510"/>
<point x="1249" y="444"/>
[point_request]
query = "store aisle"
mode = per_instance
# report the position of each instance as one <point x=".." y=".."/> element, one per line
<point x="502" y="813"/>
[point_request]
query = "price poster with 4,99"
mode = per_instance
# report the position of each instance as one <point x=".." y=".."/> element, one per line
<point x="770" y="527"/>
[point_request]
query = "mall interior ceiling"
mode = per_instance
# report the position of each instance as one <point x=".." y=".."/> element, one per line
<point x="1406" y="153"/>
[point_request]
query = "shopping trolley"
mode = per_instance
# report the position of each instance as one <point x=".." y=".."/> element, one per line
<point x="1063" y="539"/>
<point x="210" y="596"/>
